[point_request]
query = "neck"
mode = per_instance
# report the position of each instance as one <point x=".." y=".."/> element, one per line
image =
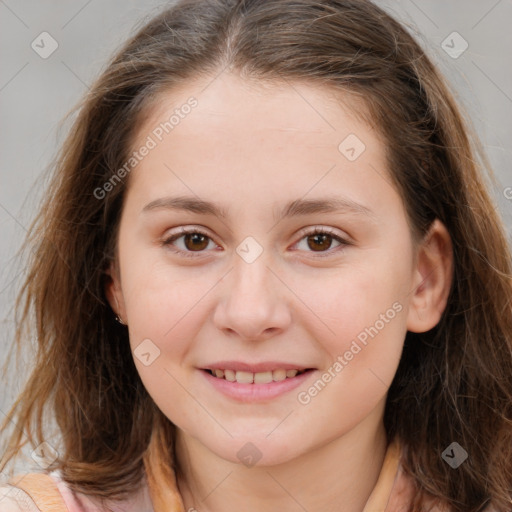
<point x="337" y="476"/>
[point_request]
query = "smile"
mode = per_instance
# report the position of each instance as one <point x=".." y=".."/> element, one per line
<point x="249" y="387"/>
<point x="244" y="377"/>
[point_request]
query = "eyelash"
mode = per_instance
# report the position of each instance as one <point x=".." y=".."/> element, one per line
<point x="167" y="242"/>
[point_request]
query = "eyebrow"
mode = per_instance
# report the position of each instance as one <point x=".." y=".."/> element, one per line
<point x="294" y="208"/>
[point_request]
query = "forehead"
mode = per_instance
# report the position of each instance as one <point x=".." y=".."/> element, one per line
<point x="253" y="106"/>
<point x="256" y="139"/>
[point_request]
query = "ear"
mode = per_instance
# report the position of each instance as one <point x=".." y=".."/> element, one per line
<point x="432" y="279"/>
<point x="114" y="292"/>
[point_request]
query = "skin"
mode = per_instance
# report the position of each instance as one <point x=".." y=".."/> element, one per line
<point x="252" y="149"/>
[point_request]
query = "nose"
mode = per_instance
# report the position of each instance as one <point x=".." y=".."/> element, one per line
<point x="255" y="303"/>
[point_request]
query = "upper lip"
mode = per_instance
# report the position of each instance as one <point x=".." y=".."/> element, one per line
<point x="254" y="367"/>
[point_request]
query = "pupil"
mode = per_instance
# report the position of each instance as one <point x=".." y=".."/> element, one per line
<point x="195" y="237"/>
<point x="322" y="238"/>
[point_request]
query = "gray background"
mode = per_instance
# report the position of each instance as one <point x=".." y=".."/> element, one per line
<point x="36" y="93"/>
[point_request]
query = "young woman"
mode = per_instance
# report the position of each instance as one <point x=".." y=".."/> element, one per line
<point x="268" y="276"/>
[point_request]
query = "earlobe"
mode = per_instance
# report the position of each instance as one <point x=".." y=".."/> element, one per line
<point x="114" y="293"/>
<point x="433" y="278"/>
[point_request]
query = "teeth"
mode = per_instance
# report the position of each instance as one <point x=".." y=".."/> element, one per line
<point x="229" y="375"/>
<point x="244" y="377"/>
<point x="262" y="378"/>
<point x="256" y="378"/>
<point x="278" y="375"/>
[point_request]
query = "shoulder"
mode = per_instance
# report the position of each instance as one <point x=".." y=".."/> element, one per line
<point x="32" y="492"/>
<point x="45" y="492"/>
<point x="14" y="499"/>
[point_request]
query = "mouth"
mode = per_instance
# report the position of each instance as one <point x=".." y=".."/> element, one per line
<point x="262" y="386"/>
<point x="245" y="377"/>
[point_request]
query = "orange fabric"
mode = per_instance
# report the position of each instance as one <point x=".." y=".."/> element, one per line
<point x="42" y="489"/>
<point x="378" y="500"/>
<point x="160" y="478"/>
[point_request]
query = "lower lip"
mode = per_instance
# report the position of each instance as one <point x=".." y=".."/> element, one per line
<point x="256" y="392"/>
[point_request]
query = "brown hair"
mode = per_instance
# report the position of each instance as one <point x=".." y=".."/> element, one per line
<point x="454" y="383"/>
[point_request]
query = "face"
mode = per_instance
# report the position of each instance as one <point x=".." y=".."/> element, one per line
<point x="299" y="258"/>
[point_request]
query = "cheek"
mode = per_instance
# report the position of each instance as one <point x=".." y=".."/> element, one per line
<point x="369" y="324"/>
<point x="365" y="308"/>
<point x="162" y="300"/>
<point x="169" y="311"/>
<point x="166" y="315"/>
<point x="357" y="299"/>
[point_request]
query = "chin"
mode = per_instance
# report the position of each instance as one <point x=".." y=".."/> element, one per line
<point x="254" y="451"/>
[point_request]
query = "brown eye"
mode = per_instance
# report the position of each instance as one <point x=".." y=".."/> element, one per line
<point x="195" y="241"/>
<point x="188" y="242"/>
<point x="319" y="242"/>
